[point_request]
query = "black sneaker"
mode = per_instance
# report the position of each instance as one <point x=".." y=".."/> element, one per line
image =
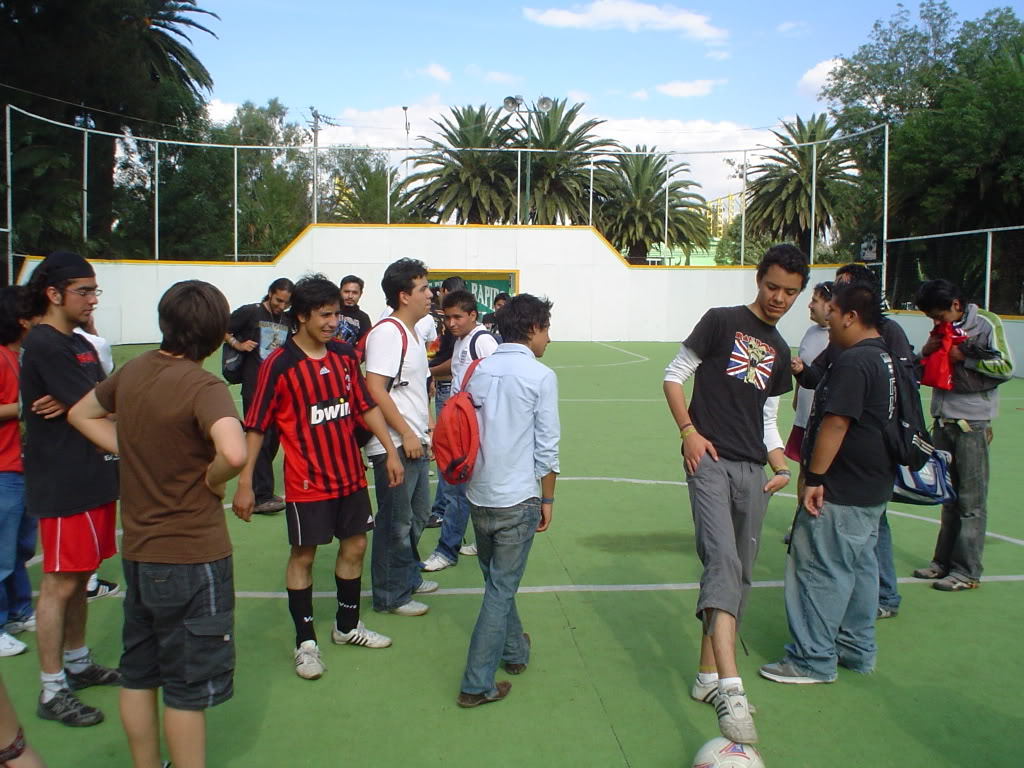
<point x="434" y="521"/>
<point x="92" y="675"/>
<point x="66" y="708"/>
<point x="104" y="588"/>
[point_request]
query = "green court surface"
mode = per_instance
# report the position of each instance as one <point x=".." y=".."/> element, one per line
<point x="608" y="600"/>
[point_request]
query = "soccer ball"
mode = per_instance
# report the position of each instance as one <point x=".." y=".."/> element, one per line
<point x="722" y="753"/>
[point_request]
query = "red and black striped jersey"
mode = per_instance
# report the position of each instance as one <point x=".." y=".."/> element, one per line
<point x="316" y="406"/>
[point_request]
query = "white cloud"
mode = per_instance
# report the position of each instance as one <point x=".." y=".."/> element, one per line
<point x="640" y="95"/>
<point x="221" y="111"/>
<point x="631" y="15"/>
<point x="717" y="54"/>
<point x="385" y="127"/>
<point x="574" y="96"/>
<point x="437" y="72"/>
<point x="503" y="78"/>
<point x="793" y="28"/>
<point x="683" y="89"/>
<point x="815" y="77"/>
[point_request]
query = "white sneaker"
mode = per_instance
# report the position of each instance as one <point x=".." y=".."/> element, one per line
<point x="16" y="626"/>
<point x="307" y="661"/>
<point x="425" y="587"/>
<point x="437" y="562"/>
<point x="360" y="636"/>
<point x="469" y="550"/>
<point x="708" y="692"/>
<point x="412" y="608"/>
<point x="10" y="645"/>
<point x="734" y="717"/>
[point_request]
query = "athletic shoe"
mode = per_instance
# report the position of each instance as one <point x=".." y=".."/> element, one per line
<point x="270" y="506"/>
<point x="308" y="665"/>
<point x="425" y="587"/>
<point x="10" y="645"/>
<point x="469" y="550"/>
<point x="785" y="672"/>
<point x="24" y="624"/>
<point x="66" y="708"/>
<point x="707" y="693"/>
<point x="412" y="608"/>
<point x="476" y="699"/>
<point x="734" y="719"/>
<point x="436" y="562"/>
<point x="94" y="674"/>
<point x="887" y="613"/>
<point x="929" y="572"/>
<point x="103" y="588"/>
<point x="950" y="584"/>
<point x="434" y="521"/>
<point x="360" y="636"/>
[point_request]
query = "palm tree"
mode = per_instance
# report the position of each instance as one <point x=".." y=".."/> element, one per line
<point x="162" y="30"/>
<point x="779" y="196"/>
<point x="559" y="181"/>
<point x="632" y="211"/>
<point x="460" y="182"/>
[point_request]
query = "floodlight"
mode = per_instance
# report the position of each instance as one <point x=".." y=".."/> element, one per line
<point x="510" y="103"/>
<point x="544" y="104"/>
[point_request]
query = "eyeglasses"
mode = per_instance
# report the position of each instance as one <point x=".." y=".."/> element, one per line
<point x="83" y="292"/>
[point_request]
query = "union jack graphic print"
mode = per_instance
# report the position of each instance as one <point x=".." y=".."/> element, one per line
<point x="751" y="360"/>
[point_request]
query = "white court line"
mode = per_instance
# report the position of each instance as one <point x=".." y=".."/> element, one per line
<point x="641" y="359"/>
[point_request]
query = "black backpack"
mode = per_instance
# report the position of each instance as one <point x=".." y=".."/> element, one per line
<point x="231" y="364"/>
<point x="906" y="435"/>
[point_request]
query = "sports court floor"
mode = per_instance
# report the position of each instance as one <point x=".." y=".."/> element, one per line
<point x="608" y="600"/>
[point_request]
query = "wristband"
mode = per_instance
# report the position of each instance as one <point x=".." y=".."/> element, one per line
<point x="686" y="431"/>
<point x="546" y="500"/>
<point x="813" y="479"/>
<point x="784" y="472"/>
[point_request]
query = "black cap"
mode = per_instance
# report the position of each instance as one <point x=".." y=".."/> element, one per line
<point x="63" y="265"/>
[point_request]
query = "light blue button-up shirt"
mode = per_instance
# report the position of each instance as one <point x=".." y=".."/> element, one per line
<point x="517" y="409"/>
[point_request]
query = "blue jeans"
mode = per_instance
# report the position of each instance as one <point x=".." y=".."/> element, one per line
<point x="402" y="514"/>
<point x="443" y="494"/>
<point x="888" y="590"/>
<point x="453" y="529"/>
<point x="503" y="539"/>
<point x="831" y="590"/>
<point x="17" y="546"/>
<point x="961" y="540"/>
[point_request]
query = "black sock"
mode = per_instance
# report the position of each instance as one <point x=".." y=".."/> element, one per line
<point x="300" y="605"/>
<point x="348" y="602"/>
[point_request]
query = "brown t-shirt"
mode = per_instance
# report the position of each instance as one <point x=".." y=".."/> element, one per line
<point x="165" y="408"/>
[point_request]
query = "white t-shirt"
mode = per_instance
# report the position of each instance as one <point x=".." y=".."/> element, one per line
<point x="103" y="350"/>
<point x="426" y="328"/>
<point x="383" y="356"/>
<point x="462" y="354"/>
<point x="813" y="344"/>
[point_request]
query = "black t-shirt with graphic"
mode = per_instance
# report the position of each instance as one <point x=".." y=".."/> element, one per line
<point x="254" y="322"/>
<point x="65" y="474"/>
<point x="352" y="325"/>
<point x="744" y="361"/>
<point x="859" y="385"/>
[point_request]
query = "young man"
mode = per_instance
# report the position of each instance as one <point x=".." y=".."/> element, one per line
<point x="500" y="300"/>
<point x="312" y="392"/>
<point x="810" y="375"/>
<point x="70" y="486"/>
<point x="441" y="377"/>
<point x="354" y="323"/>
<point x="180" y="441"/>
<point x="728" y="433"/>
<point x="17" y="529"/>
<point x="512" y="491"/>
<point x="832" y="572"/>
<point x="472" y="341"/>
<point x="256" y="330"/>
<point x="399" y="386"/>
<point x="963" y="426"/>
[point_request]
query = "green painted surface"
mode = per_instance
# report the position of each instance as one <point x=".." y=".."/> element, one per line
<point x="608" y="683"/>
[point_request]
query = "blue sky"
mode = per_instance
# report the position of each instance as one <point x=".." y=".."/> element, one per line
<point x="684" y="76"/>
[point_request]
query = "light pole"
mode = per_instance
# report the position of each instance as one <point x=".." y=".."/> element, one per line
<point x="517" y="105"/>
<point x="405" y="110"/>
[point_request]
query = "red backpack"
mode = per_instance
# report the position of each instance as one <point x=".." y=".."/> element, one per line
<point x="457" y="435"/>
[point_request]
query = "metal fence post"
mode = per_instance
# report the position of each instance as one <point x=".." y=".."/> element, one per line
<point x="668" y="171"/>
<point x="85" y="185"/>
<point x="156" y="200"/>
<point x="814" y="197"/>
<point x="885" y="213"/>
<point x="590" y="212"/>
<point x="743" y="211"/>
<point x="10" y="196"/>
<point x="387" y="171"/>
<point x="519" y="178"/>
<point x="988" y="269"/>
<point x="234" y="185"/>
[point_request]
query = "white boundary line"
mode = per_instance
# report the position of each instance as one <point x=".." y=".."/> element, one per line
<point x="641" y="359"/>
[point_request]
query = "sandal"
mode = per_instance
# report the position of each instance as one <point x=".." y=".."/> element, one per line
<point x="929" y="572"/>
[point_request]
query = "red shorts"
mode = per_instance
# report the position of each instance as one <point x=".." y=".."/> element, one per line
<point x="796" y="439"/>
<point x="79" y="543"/>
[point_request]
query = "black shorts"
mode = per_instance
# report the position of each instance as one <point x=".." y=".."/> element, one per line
<point x="312" y="523"/>
<point x="179" y="631"/>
